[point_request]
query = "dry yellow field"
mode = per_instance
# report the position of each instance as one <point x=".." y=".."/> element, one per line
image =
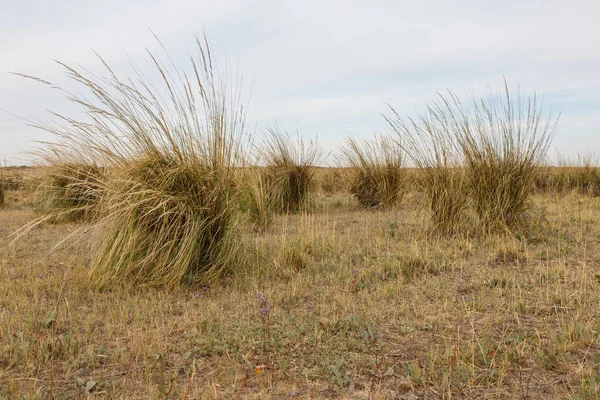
<point x="341" y="303"/>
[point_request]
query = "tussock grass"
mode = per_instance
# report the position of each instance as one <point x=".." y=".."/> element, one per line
<point x="255" y="199"/>
<point x="378" y="177"/>
<point x="70" y="191"/>
<point x="585" y="178"/>
<point x="504" y="140"/>
<point x="291" y="164"/>
<point x="482" y="155"/>
<point x="173" y="143"/>
<point x="432" y="148"/>
<point x="472" y="315"/>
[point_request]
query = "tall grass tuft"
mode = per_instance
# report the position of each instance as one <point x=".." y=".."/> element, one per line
<point x="378" y="177"/>
<point x="432" y="148"/>
<point x="290" y="170"/>
<point x="484" y="154"/>
<point x="255" y="199"/>
<point x="70" y="191"/>
<point x="172" y="142"/>
<point x="504" y="140"/>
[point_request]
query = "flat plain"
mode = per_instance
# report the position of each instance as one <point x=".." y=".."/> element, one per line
<point x="341" y="302"/>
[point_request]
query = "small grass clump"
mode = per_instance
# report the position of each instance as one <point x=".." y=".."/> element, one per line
<point x="70" y="191"/>
<point x="255" y="199"/>
<point x="172" y="145"/>
<point x="290" y="171"/>
<point x="332" y="181"/>
<point x="378" y="177"/>
<point x="586" y="177"/>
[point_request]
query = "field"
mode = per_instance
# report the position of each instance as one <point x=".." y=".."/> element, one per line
<point x="340" y="302"/>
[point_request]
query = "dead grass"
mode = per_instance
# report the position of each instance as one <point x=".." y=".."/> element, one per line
<point x="351" y="304"/>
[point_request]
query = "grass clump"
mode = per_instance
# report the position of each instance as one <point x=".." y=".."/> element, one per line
<point x="378" y="177"/>
<point x="504" y="140"/>
<point x="70" y="191"/>
<point x="256" y="201"/>
<point x="586" y="177"/>
<point x="483" y="156"/>
<point x="171" y="221"/>
<point x="431" y="146"/>
<point x="290" y="170"/>
<point x="172" y="144"/>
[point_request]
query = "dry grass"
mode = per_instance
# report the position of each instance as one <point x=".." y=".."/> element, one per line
<point x="585" y="177"/>
<point x="378" y="177"/>
<point x="582" y="176"/>
<point x="332" y="303"/>
<point x="70" y="192"/>
<point x="172" y="142"/>
<point x="431" y="145"/>
<point x="290" y="166"/>
<point x="256" y="200"/>
<point x="333" y="180"/>
<point x="503" y="140"/>
<point x="482" y="155"/>
<point x="352" y="304"/>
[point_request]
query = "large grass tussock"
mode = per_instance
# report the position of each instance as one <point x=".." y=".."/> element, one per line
<point x="504" y="140"/>
<point x="431" y="147"/>
<point x="172" y="143"/>
<point x="483" y="155"/>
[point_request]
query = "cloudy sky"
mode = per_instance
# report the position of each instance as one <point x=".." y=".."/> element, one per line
<point x="327" y="67"/>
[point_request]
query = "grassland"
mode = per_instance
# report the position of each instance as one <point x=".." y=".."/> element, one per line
<point x="341" y="302"/>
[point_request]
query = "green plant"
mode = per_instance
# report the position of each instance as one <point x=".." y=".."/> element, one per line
<point x="340" y="376"/>
<point x="378" y="177"/>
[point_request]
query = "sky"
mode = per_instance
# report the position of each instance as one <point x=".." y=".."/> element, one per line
<point x="327" y="68"/>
